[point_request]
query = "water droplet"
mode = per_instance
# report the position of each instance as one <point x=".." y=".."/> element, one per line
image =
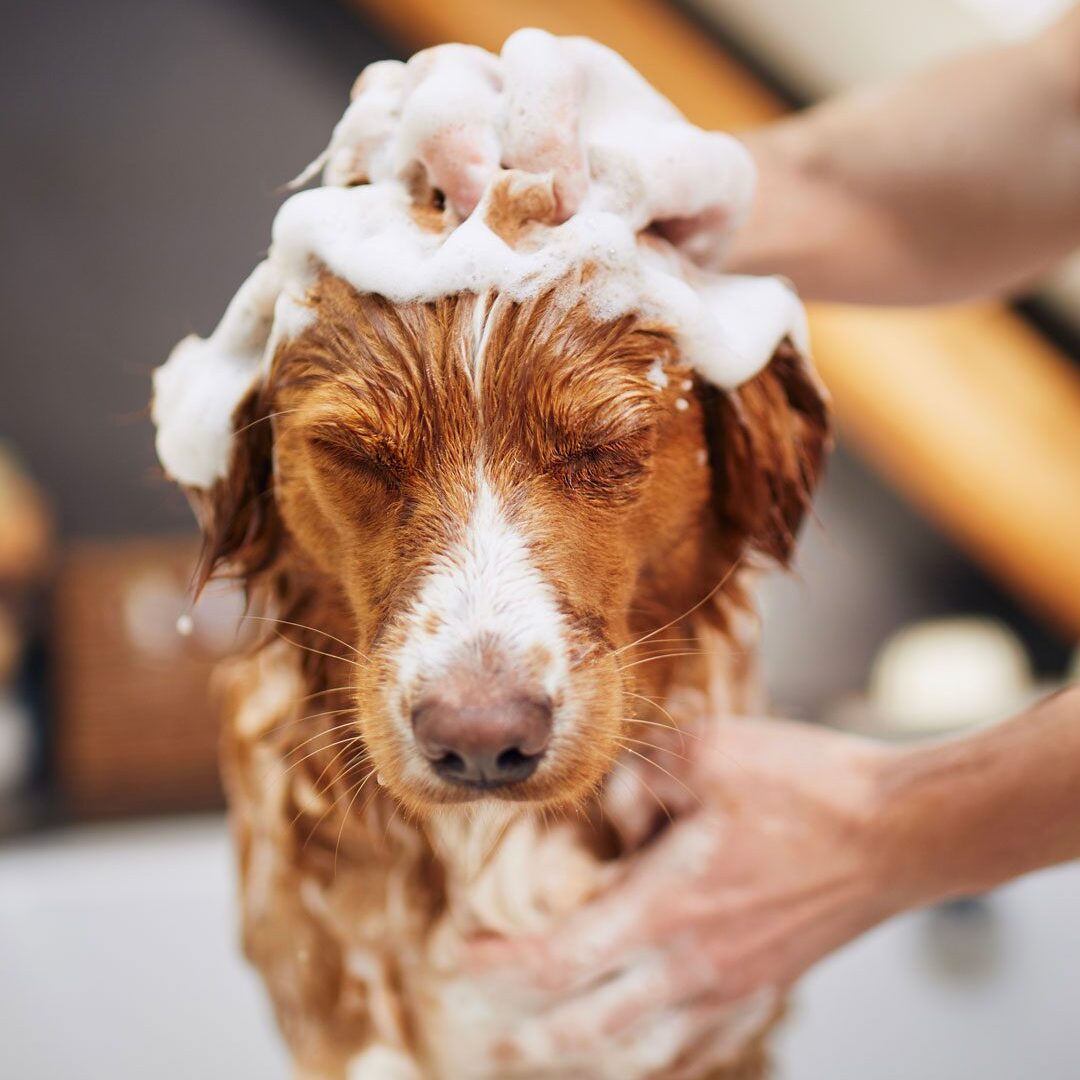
<point x="185" y="625"/>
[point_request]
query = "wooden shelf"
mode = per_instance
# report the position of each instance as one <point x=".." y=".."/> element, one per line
<point x="968" y="411"/>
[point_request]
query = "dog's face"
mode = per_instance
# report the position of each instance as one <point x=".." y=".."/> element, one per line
<point x="505" y="497"/>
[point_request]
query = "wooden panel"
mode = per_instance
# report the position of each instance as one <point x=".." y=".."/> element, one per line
<point x="976" y="417"/>
<point x="967" y="411"/>
<point x="135" y="730"/>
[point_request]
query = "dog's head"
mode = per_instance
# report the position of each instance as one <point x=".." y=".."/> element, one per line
<point x="501" y="498"/>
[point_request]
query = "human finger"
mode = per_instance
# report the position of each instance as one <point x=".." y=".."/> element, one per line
<point x="543" y="89"/>
<point x="450" y="119"/>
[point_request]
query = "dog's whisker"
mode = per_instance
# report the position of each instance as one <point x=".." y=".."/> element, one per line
<point x="656" y="642"/>
<point x="689" y="611"/>
<point x="654" y="746"/>
<point x="682" y="731"/>
<point x="597" y="656"/>
<point x="654" y="648"/>
<point x="286" y="724"/>
<point x="345" y="816"/>
<point x="645" y="784"/>
<point x="663" y="656"/>
<point x="644" y="757"/>
<point x="580" y="812"/>
<point x="328" y="733"/>
<point x="328" y="690"/>
<point x="350" y="740"/>
<point x="662" y="727"/>
<point x="675" y="726"/>
<point x="304" y="719"/>
<point x="262" y="420"/>
<point x="317" y="652"/>
<point x="320" y="819"/>
<point x="303" y="626"/>
<point x="318" y="780"/>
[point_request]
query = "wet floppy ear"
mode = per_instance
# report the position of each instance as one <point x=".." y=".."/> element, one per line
<point x="241" y="528"/>
<point x="767" y="444"/>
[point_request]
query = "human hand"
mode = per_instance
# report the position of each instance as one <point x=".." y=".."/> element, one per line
<point x="567" y="107"/>
<point x="775" y="869"/>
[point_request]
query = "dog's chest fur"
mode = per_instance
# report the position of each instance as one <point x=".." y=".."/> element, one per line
<point x="357" y="918"/>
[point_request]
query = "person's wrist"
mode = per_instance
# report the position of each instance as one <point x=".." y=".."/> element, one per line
<point x="870" y="889"/>
<point x="903" y="836"/>
<point x="1056" y="55"/>
<point x="872" y="833"/>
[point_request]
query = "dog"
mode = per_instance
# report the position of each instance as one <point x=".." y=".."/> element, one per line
<point x="503" y="545"/>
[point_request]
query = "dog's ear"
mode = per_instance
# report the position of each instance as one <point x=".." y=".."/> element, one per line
<point x="241" y="527"/>
<point x="767" y="444"/>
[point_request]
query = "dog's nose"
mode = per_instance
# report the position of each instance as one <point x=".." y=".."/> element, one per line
<point x="483" y="744"/>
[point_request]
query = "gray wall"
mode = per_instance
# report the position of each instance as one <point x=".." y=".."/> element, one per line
<point x="142" y="143"/>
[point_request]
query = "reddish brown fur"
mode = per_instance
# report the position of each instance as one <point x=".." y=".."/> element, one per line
<point x="355" y="463"/>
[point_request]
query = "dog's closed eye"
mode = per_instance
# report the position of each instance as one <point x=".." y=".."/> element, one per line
<point x="357" y="455"/>
<point x="608" y="468"/>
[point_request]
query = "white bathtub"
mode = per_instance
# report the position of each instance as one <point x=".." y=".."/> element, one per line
<point x="118" y="961"/>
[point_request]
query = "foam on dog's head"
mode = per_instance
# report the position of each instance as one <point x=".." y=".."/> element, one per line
<point x="645" y="164"/>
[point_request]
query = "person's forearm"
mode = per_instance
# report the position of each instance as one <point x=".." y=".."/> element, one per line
<point x="965" y="815"/>
<point x="961" y="181"/>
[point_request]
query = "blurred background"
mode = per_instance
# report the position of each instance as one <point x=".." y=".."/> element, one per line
<point x="145" y="145"/>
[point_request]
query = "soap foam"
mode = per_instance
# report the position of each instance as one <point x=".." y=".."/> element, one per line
<point x="640" y="163"/>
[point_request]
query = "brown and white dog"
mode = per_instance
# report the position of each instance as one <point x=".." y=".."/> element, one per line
<point x="502" y="541"/>
<point x="501" y="551"/>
